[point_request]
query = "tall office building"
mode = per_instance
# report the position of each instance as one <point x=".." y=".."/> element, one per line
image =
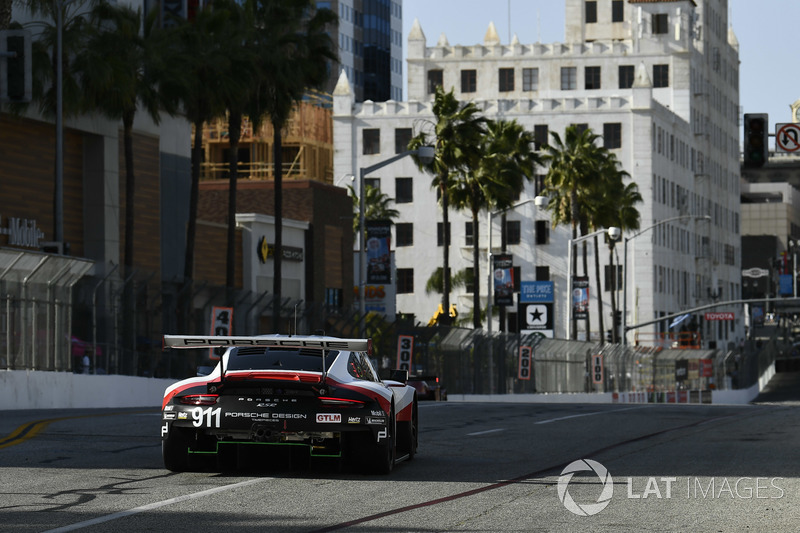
<point x="659" y="81"/>
<point x="370" y="47"/>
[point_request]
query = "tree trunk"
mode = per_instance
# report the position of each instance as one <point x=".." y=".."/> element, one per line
<point x="444" y="320"/>
<point x="599" y="291"/>
<point x="476" y="271"/>
<point x="234" y="134"/>
<point x="277" y="254"/>
<point x="191" y="227"/>
<point x="503" y="246"/>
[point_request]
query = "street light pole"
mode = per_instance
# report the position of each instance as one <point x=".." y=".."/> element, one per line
<point x="538" y="202"/>
<point x="625" y="266"/>
<point x="613" y="233"/>
<point x="425" y="154"/>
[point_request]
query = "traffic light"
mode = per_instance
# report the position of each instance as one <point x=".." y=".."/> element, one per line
<point x="755" y="139"/>
<point x="15" y="66"/>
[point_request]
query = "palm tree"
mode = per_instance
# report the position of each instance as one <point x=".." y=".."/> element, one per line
<point x="294" y="49"/>
<point x="376" y="206"/>
<point x="570" y="183"/>
<point x="457" y="132"/>
<point x="203" y="60"/>
<point x="507" y="161"/>
<point x="117" y="75"/>
<point x="5" y="14"/>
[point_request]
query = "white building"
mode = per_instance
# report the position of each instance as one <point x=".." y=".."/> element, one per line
<point x="658" y="80"/>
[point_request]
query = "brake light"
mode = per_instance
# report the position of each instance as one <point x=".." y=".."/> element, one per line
<point x="340" y="402"/>
<point x="200" y="399"/>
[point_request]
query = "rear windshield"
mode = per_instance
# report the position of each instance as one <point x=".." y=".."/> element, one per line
<point x="279" y="359"/>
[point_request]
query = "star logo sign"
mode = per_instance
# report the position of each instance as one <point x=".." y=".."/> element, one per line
<point x="536" y="315"/>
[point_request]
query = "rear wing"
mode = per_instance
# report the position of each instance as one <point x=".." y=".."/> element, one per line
<point x="318" y="343"/>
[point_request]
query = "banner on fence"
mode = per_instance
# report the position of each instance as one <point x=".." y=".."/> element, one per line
<point x="221" y="324"/>
<point x="525" y="353"/>
<point x="405" y="351"/>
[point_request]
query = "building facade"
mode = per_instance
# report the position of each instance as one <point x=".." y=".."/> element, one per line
<point x="658" y="80"/>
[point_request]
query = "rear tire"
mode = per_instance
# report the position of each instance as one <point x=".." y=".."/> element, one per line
<point x="175" y="450"/>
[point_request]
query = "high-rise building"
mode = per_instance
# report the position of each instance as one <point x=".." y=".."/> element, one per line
<point x="370" y="47"/>
<point x="659" y="82"/>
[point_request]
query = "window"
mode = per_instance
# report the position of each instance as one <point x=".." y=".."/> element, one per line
<point x="660" y="23"/>
<point x="660" y="75"/>
<point x="435" y="79"/>
<point x="358" y="366"/>
<point x="333" y="298"/>
<point x="610" y="282"/>
<point x="542" y="273"/>
<point x="513" y="232"/>
<point x="542" y="233"/>
<point x="591" y="78"/>
<point x="403" y="190"/>
<point x="468" y="234"/>
<point x="626" y="73"/>
<point x="506" y="76"/>
<point x="440" y="234"/>
<point x="617" y="10"/>
<point x="404" y="234"/>
<point x="402" y="136"/>
<point x="516" y="274"/>
<point x="540" y="134"/>
<point x="591" y="11"/>
<point x="405" y="280"/>
<point x="569" y="78"/>
<point x="375" y="183"/>
<point x="612" y="135"/>
<point x="469" y="81"/>
<point x="371" y="141"/>
<point x="530" y="79"/>
<point x="580" y="127"/>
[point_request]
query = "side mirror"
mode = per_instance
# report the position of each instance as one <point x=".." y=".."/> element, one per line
<point x="399" y="375"/>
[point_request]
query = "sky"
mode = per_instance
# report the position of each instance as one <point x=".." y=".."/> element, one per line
<point x="769" y="81"/>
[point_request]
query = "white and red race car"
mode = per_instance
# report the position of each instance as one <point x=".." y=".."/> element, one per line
<point x="319" y="395"/>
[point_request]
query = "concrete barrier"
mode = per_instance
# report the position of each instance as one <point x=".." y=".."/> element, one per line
<point x="32" y="389"/>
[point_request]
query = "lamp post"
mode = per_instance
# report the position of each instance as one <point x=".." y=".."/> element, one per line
<point x="538" y="201"/>
<point x="425" y="154"/>
<point x="613" y="233"/>
<point x="625" y="266"/>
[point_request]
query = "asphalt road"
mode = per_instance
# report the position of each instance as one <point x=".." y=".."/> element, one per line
<point x="481" y="467"/>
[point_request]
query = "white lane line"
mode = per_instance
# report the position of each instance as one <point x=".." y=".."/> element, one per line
<point x="156" y="505"/>
<point x="485" y="432"/>
<point x="589" y="414"/>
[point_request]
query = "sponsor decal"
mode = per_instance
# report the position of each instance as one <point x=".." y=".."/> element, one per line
<point x="383" y="434"/>
<point x="376" y="421"/>
<point x="329" y="418"/>
<point x="236" y="414"/>
<point x="183" y="416"/>
<point x="266" y="404"/>
<point x="376" y="412"/>
<point x="164" y="430"/>
<point x="721" y="315"/>
<point x="169" y="408"/>
<point x="169" y="416"/>
<point x="354" y="420"/>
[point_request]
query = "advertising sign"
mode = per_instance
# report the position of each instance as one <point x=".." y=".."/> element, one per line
<point x="379" y="261"/>
<point x="536" y="291"/>
<point x="580" y="297"/>
<point x="503" y="279"/>
<point x="681" y="370"/>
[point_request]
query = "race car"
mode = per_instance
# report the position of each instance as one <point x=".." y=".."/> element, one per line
<point x="318" y="395"/>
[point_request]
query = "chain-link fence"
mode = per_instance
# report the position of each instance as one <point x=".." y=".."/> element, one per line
<point x="56" y="315"/>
